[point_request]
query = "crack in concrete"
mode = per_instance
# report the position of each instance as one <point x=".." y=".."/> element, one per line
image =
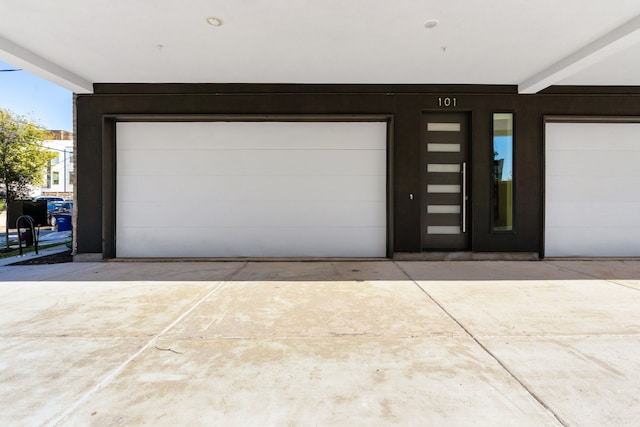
<point x="114" y="373"/>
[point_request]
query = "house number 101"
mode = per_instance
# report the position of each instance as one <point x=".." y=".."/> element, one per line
<point x="447" y="102"/>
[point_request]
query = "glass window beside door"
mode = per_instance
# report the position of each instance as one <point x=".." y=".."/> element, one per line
<point x="502" y="173"/>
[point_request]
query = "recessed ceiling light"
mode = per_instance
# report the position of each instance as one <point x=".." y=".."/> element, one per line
<point x="431" y="23"/>
<point x="216" y="22"/>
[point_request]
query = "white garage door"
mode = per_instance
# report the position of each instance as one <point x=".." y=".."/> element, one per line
<point x="251" y="189"/>
<point x="592" y="201"/>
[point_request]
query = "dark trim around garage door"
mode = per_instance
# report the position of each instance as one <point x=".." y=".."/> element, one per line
<point x="109" y="165"/>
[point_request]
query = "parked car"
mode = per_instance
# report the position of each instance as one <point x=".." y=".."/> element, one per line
<point x="50" y="198"/>
<point x="51" y="208"/>
<point x="65" y="207"/>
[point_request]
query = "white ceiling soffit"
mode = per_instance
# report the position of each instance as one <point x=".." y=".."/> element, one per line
<point x="617" y="41"/>
<point x="532" y="44"/>
<point x="25" y="59"/>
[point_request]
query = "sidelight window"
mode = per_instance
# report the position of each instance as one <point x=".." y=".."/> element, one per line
<point x="502" y="173"/>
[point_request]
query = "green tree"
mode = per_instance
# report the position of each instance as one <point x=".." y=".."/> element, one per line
<point x="23" y="157"/>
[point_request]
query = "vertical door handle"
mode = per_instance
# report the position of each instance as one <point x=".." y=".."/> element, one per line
<point x="464" y="197"/>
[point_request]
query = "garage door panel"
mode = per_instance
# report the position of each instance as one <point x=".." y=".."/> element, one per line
<point x="265" y="242"/>
<point x="263" y="135"/>
<point x="242" y="162"/>
<point x="592" y="242"/>
<point x="592" y="197"/>
<point x="587" y="188"/>
<point x="595" y="213"/>
<point x="181" y="189"/>
<point x="584" y="137"/>
<point x="565" y="163"/>
<point x="254" y="214"/>
<point x="239" y="189"/>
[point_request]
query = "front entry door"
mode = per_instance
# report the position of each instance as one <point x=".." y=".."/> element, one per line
<point x="445" y="184"/>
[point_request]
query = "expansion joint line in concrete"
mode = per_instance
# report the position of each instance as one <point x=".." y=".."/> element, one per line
<point x="233" y="275"/>
<point x="594" y="277"/>
<point x="482" y="346"/>
<point x="113" y="374"/>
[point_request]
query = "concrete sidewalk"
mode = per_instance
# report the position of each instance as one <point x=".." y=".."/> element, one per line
<point x="321" y="343"/>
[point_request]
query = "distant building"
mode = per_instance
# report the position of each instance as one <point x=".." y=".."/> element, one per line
<point x="60" y="176"/>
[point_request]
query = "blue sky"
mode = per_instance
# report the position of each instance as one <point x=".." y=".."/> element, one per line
<point x="503" y="146"/>
<point x="42" y="102"/>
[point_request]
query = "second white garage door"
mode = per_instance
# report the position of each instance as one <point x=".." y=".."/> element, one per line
<point x="251" y="189"/>
<point x="592" y="196"/>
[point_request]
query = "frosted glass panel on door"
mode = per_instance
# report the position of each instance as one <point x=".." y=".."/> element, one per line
<point x="443" y="229"/>
<point x="443" y="127"/>
<point x="443" y="148"/>
<point x="443" y="209"/>
<point x="441" y="168"/>
<point x="443" y="188"/>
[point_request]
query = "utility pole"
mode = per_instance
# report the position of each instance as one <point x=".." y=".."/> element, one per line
<point x="64" y="159"/>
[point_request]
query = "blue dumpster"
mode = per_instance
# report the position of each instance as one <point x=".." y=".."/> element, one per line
<point x="63" y="222"/>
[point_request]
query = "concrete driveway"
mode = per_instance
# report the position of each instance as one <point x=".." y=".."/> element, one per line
<point x="321" y="343"/>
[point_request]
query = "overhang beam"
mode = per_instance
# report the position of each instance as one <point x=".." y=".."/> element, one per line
<point x="23" y="58"/>
<point x="611" y="43"/>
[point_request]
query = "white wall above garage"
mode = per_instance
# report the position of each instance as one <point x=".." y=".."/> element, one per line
<point x="532" y="44"/>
